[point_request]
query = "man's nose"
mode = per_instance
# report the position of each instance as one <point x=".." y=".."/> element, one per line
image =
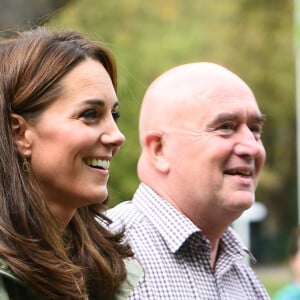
<point x="249" y="144"/>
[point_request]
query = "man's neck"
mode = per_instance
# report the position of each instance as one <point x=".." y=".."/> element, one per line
<point x="214" y="253"/>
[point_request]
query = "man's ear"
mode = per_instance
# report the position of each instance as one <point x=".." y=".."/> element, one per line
<point x="20" y="130"/>
<point x="154" y="143"/>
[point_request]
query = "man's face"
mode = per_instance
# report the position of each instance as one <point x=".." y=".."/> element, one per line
<point x="215" y="151"/>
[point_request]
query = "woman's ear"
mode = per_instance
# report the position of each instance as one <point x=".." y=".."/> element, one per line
<point x="154" y="143"/>
<point x="20" y="129"/>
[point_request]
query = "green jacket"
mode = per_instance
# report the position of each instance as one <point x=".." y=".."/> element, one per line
<point x="11" y="288"/>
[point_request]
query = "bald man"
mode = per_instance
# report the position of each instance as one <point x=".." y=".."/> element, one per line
<point x="200" y="133"/>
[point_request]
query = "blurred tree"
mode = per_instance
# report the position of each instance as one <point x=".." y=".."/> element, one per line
<point x="17" y="14"/>
<point x="251" y="37"/>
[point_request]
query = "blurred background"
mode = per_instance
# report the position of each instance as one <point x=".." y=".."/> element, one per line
<point x="253" y="38"/>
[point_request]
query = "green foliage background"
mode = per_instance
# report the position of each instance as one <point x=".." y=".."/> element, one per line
<point x="253" y="38"/>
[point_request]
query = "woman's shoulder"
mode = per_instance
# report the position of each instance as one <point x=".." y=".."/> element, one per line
<point x="7" y="281"/>
<point x="134" y="274"/>
<point x="3" y="290"/>
<point x="11" y="287"/>
<point x="5" y="272"/>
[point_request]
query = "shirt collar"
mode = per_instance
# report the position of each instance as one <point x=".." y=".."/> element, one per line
<point x="233" y="244"/>
<point x="175" y="227"/>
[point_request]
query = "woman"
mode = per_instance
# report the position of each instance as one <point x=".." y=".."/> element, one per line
<point x="58" y="110"/>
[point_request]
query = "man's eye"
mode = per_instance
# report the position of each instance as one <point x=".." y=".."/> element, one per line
<point x="257" y="131"/>
<point x="116" y="115"/>
<point x="89" y="114"/>
<point x="256" y="128"/>
<point x="227" y="126"/>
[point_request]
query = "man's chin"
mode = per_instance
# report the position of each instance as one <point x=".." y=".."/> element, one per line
<point x="243" y="201"/>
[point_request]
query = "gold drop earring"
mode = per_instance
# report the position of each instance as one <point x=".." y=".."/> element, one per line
<point x="25" y="165"/>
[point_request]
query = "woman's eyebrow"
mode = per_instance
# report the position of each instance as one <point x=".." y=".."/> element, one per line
<point x="100" y="102"/>
<point x="95" y="102"/>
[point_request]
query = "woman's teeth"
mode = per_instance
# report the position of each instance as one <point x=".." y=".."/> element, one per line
<point x="98" y="163"/>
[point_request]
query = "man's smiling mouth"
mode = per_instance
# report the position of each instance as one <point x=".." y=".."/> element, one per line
<point x="244" y="172"/>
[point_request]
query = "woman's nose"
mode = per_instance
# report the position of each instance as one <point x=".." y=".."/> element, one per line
<point x="112" y="135"/>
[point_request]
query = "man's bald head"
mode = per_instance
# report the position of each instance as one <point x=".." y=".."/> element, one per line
<point x="178" y="86"/>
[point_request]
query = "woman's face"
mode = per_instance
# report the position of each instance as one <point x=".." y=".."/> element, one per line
<point x="74" y="140"/>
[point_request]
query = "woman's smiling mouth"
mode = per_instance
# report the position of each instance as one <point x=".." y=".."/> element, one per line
<point x="98" y="163"/>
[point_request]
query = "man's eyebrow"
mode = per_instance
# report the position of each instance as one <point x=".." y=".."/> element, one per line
<point x="223" y="117"/>
<point x="259" y="119"/>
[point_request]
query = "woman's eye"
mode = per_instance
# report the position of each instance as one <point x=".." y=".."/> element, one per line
<point x="89" y="114"/>
<point x="116" y="115"/>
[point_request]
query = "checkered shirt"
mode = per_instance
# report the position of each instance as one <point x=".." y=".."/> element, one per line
<point x="176" y="256"/>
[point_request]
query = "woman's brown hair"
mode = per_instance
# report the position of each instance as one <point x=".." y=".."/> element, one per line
<point x="86" y="261"/>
